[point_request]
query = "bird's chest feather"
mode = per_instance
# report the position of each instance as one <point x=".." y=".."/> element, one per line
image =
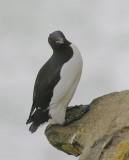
<point x="64" y="90"/>
<point x="72" y="69"/>
<point x="69" y="77"/>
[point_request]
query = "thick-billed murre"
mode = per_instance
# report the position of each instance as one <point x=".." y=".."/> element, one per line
<point x="56" y="83"/>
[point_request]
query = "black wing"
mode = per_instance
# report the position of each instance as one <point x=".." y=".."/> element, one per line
<point x="46" y="80"/>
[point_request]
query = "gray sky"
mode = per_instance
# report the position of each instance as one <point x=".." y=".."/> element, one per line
<point x="100" y="29"/>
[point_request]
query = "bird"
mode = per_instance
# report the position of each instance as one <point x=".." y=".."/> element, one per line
<point x="56" y="83"/>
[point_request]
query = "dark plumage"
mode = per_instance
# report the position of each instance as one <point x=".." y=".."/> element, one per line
<point x="47" y="79"/>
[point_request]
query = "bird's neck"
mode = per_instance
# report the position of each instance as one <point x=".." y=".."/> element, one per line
<point x="63" y="54"/>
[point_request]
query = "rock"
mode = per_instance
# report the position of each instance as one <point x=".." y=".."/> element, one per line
<point x="101" y="134"/>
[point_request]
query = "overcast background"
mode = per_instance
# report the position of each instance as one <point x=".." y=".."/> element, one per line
<point x="99" y="28"/>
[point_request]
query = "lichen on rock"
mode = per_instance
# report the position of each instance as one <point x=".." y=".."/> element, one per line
<point x="101" y="134"/>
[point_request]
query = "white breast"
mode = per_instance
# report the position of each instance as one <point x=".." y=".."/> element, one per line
<point x="64" y="90"/>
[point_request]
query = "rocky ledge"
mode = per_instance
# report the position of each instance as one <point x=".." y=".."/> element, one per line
<point x="101" y="134"/>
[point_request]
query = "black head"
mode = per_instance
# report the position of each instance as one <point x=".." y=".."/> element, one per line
<point x="57" y="40"/>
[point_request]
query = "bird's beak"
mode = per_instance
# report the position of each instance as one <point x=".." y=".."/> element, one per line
<point x="60" y="41"/>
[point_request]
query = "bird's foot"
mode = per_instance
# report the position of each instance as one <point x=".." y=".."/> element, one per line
<point x="75" y="113"/>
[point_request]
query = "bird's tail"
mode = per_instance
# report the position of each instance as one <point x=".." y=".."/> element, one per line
<point x="39" y="117"/>
<point x="33" y="127"/>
